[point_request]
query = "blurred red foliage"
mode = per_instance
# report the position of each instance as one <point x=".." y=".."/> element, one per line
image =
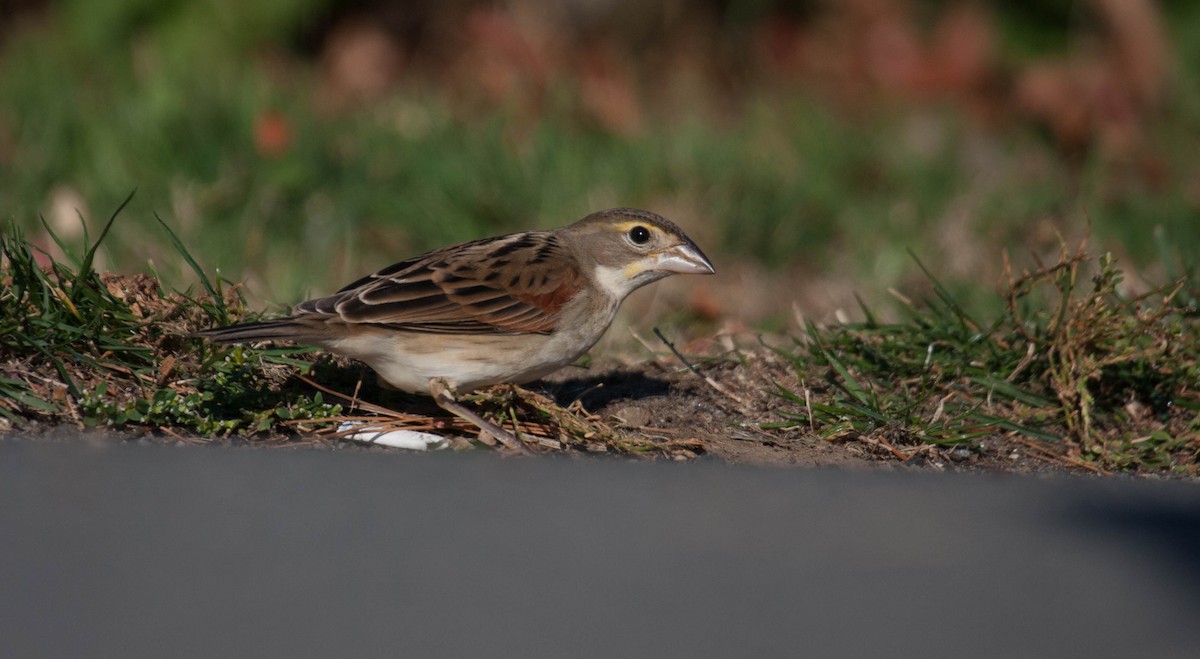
<point x="618" y="65"/>
<point x="272" y="133"/>
<point x="607" y="59"/>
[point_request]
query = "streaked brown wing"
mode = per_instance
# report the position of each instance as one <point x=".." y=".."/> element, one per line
<point x="510" y="284"/>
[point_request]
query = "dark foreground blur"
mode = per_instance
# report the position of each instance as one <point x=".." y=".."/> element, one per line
<point x="127" y="551"/>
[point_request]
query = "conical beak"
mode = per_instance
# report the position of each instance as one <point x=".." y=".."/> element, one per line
<point x="685" y="259"/>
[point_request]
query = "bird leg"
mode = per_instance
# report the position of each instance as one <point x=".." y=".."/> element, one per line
<point x="443" y="395"/>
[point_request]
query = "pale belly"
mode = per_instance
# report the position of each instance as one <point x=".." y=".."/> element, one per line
<point x="408" y="361"/>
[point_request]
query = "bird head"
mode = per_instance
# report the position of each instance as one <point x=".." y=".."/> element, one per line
<point x="627" y="249"/>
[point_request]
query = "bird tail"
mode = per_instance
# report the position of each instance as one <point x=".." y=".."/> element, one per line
<point x="280" y="329"/>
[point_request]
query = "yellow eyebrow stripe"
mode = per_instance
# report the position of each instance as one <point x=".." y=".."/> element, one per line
<point x="626" y="226"/>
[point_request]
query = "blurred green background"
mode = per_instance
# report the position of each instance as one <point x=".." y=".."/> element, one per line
<point x="806" y="145"/>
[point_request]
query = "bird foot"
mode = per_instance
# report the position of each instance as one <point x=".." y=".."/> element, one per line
<point x="443" y="395"/>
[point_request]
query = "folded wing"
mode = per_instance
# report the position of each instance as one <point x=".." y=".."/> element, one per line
<point x="511" y="284"/>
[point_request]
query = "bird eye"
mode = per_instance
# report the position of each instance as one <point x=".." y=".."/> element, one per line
<point x="640" y="235"/>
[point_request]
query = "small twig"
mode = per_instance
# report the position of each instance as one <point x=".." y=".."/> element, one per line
<point x="812" y="426"/>
<point x="941" y="408"/>
<point x="1058" y="460"/>
<point x="1025" y="361"/>
<point x="645" y="344"/>
<point x="353" y="400"/>
<point x="399" y="422"/>
<point x="892" y="449"/>
<point x="186" y="440"/>
<point x="1052" y="456"/>
<point x="164" y="370"/>
<point x="1052" y="461"/>
<point x="711" y="382"/>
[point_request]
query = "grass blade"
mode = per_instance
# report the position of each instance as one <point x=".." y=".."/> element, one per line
<point x="1009" y="390"/>
<point x="944" y="295"/>
<point x="67" y="251"/>
<point x="1003" y="424"/>
<point x="85" y="265"/>
<point x="222" y="315"/>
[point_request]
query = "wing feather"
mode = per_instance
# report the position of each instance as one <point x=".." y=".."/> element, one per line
<point x="511" y="284"/>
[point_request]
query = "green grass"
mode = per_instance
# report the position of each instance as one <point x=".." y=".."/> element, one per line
<point x="791" y="182"/>
<point x="1071" y="363"/>
<point x="83" y="347"/>
<point x="1071" y="367"/>
<point x="63" y="315"/>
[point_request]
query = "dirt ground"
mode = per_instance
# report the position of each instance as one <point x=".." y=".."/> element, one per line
<point x="664" y="403"/>
<point x="662" y="399"/>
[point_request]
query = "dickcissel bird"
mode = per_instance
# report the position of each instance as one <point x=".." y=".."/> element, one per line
<point x="509" y="309"/>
